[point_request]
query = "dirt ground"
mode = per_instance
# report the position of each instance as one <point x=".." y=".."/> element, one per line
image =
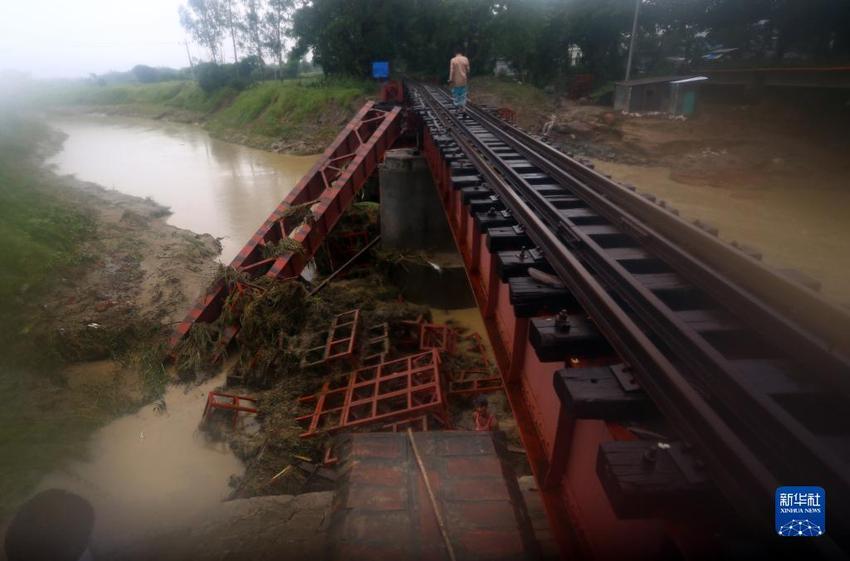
<point x="140" y="266"/>
<point x="771" y="175"/>
<point x="140" y="277"/>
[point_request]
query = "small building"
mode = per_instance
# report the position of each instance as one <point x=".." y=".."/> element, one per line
<point x="676" y="95"/>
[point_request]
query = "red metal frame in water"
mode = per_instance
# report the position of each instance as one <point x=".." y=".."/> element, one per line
<point x="395" y="390"/>
<point x="471" y="382"/>
<point x="228" y="402"/>
<point x="437" y="336"/>
<point x="377" y="345"/>
<point x="333" y="183"/>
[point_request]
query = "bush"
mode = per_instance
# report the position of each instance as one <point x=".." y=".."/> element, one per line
<point x="145" y="74"/>
<point x="212" y="76"/>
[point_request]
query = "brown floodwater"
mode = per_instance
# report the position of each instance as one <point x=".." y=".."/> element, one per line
<point x="146" y="471"/>
<point x="211" y="186"/>
<point x="801" y="227"/>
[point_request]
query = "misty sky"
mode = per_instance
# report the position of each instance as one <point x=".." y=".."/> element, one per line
<point x="71" y="38"/>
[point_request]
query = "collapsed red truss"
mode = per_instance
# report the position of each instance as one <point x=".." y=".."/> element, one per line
<point x="340" y="342"/>
<point x="393" y="390"/>
<point x="331" y="186"/>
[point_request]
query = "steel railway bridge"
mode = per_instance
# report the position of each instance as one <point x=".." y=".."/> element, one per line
<point x="664" y="382"/>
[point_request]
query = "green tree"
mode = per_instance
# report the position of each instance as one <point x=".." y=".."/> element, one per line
<point x="203" y="20"/>
<point x="274" y="28"/>
<point x="145" y="74"/>
<point x="231" y="20"/>
<point x="249" y="29"/>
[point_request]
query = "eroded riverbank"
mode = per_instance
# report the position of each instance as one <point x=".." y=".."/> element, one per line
<point x="84" y="332"/>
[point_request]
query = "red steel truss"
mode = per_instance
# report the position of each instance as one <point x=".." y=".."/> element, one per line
<point x="474" y="382"/>
<point x="340" y="341"/>
<point x="394" y="390"/>
<point x="228" y="402"/>
<point x="437" y="336"/>
<point x="332" y="183"/>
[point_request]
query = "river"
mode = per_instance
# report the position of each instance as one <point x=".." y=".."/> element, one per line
<point x="211" y="186"/>
<point x="147" y="470"/>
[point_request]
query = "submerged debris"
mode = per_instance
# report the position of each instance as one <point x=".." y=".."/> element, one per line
<point x="291" y="343"/>
<point x="195" y="351"/>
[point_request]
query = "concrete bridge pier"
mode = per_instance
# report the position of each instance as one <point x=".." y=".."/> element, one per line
<point x="413" y="223"/>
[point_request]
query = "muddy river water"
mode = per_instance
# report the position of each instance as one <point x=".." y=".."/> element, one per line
<point x="794" y="226"/>
<point x="211" y="186"/>
<point x="147" y="470"/>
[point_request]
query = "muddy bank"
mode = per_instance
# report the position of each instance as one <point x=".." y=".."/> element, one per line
<point x="139" y="268"/>
<point x="297" y="116"/>
<point x="87" y="340"/>
<point x="279" y="528"/>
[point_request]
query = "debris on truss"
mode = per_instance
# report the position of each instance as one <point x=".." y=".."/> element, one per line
<point x="478" y="378"/>
<point x="473" y="382"/>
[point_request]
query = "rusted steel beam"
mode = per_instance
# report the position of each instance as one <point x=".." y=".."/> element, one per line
<point x="333" y="182"/>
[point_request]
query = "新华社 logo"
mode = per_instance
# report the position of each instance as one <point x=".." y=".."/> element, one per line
<point x="800" y="511"/>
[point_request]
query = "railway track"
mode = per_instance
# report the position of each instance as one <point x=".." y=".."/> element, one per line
<point x="746" y="365"/>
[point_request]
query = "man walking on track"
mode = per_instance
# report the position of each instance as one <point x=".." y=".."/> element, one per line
<point x="458" y="76"/>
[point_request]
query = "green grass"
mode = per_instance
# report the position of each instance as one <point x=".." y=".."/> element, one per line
<point x="288" y="110"/>
<point x="41" y="236"/>
<point x="41" y="232"/>
<point x="275" y="108"/>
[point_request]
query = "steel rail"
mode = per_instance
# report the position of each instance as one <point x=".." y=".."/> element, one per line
<point x="766" y="421"/>
<point x="670" y="385"/>
<point x="771" y="304"/>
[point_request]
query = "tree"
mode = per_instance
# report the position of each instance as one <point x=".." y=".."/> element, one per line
<point x="275" y="26"/>
<point x="524" y="38"/>
<point x="145" y="74"/>
<point x="203" y="20"/>
<point x="417" y="36"/>
<point x="249" y="29"/>
<point x="231" y="21"/>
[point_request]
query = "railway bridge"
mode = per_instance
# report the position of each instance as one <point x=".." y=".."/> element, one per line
<point x="665" y="383"/>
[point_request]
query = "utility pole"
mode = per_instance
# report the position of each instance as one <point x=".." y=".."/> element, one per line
<point x="632" y="41"/>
